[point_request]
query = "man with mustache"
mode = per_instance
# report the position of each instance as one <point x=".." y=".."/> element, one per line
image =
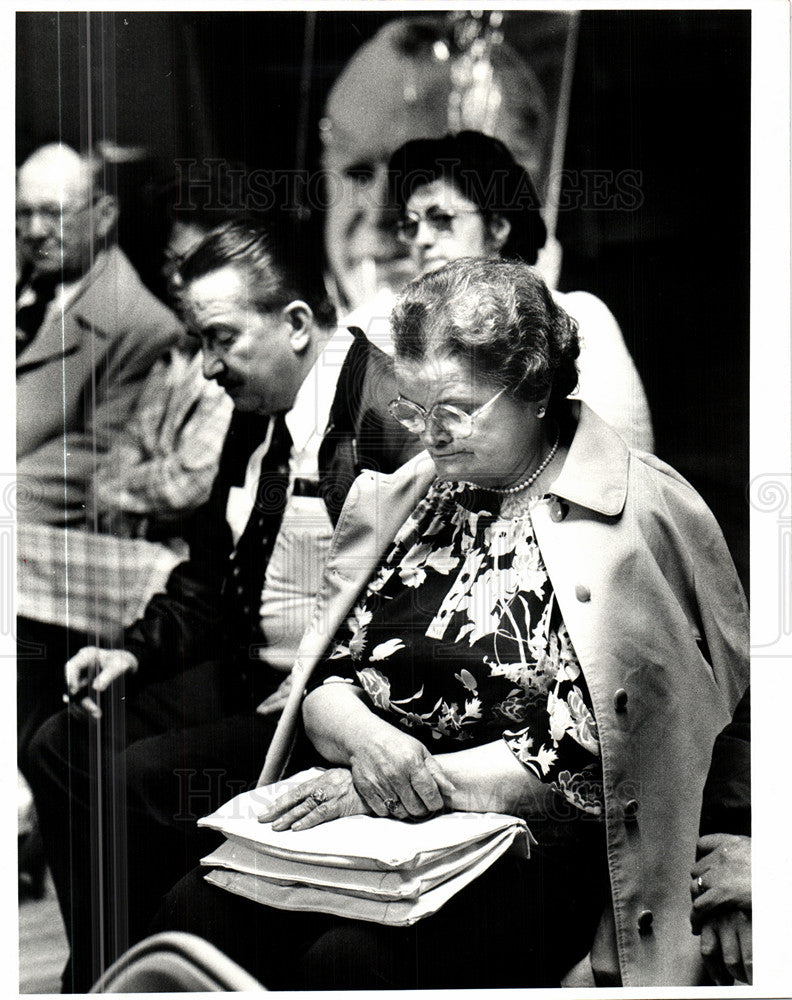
<point x="174" y="712"/>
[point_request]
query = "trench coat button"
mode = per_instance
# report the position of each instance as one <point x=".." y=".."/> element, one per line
<point x="620" y="700"/>
<point x="558" y="511"/>
<point x="582" y="593"/>
<point x="245" y="609"/>
<point x="631" y="811"/>
<point x="236" y="570"/>
<point x="645" y="921"/>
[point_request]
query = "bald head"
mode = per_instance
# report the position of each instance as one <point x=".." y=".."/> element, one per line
<point x="57" y="167"/>
<point x="63" y="215"/>
<point x="401" y="85"/>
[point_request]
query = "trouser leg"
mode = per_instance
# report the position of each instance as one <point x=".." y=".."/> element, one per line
<point x="42" y="652"/>
<point x="172" y="781"/>
<point x="520" y="924"/>
<point x="79" y="780"/>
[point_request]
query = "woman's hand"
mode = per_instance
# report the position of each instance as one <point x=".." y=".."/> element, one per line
<point x="326" y="797"/>
<point x="395" y="774"/>
<point x="721" y="876"/>
<point x="721" y="913"/>
<point x="727" y="946"/>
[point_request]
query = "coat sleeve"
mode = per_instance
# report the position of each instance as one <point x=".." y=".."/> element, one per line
<point x="184" y="625"/>
<point x="609" y="381"/>
<point x="59" y="472"/>
<point x="691" y="549"/>
<point x="165" y="462"/>
<point x="726" y="805"/>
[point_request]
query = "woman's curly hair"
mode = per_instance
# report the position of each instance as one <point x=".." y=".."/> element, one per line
<point x="499" y="316"/>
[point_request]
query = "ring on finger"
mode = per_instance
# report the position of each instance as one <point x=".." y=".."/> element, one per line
<point x="391" y="805"/>
<point x="317" y="796"/>
<point x="699" y="885"/>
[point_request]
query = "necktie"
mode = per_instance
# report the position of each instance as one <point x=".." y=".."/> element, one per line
<point x="248" y="564"/>
<point x="30" y="317"/>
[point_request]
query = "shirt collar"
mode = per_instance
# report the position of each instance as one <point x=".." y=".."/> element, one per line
<point x="595" y="471"/>
<point x="311" y="410"/>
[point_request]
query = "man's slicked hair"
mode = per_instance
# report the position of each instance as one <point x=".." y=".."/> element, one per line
<point x="272" y="258"/>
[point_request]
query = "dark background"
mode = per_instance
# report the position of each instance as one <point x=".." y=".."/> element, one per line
<point x="664" y="93"/>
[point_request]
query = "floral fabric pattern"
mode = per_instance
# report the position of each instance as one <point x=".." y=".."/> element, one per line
<point x="459" y="640"/>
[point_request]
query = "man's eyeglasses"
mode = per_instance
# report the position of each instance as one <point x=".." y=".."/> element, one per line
<point x="445" y="416"/>
<point x="439" y="219"/>
<point x="51" y="215"/>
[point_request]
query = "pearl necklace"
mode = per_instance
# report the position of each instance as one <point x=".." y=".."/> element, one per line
<point x="508" y="490"/>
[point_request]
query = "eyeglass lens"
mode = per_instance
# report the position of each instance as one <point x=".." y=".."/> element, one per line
<point x="446" y="417"/>
<point x="441" y="222"/>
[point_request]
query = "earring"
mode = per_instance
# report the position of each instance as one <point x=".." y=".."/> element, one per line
<point x="541" y="412"/>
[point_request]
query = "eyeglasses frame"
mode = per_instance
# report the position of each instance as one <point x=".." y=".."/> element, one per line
<point x="469" y="420"/>
<point x="413" y="218"/>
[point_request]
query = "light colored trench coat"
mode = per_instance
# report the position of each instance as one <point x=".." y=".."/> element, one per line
<point x="659" y="622"/>
<point x="77" y="383"/>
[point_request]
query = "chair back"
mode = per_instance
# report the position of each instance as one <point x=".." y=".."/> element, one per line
<point x="175" y="962"/>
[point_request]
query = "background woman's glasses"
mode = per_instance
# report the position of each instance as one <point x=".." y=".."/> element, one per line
<point x="438" y="219"/>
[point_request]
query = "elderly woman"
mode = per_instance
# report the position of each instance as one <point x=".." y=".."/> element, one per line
<point x="529" y="619"/>
<point x="465" y="195"/>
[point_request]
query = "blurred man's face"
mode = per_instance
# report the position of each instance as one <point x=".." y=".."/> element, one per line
<point x="360" y="234"/>
<point x="182" y="239"/>
<point x="369" y="119"/>
<point x="57" y="216"/>
<point x="381" y="100"/>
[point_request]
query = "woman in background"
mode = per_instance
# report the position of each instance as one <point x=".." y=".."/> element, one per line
<point x="465" y="195"/>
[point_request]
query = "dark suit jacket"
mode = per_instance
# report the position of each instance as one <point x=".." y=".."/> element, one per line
<point x="186" y="625"/>
<point x="77" y="382"/>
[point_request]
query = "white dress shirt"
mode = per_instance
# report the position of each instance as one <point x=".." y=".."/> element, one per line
<point x="303" y="541"/>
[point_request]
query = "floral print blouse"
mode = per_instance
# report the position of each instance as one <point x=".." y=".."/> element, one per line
<point x="459" y="640"/>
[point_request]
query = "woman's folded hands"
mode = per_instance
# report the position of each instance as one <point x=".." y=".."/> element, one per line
<point x="405" y="777"/>
<point x="393" y="773"/>
<point x="329" y="796"/>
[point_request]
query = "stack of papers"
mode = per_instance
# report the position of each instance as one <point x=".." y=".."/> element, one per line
<point x="362" y="867"/>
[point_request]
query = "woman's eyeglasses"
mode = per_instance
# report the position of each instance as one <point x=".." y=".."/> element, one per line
<point x="439" y="219"/>
<point x="445" y="416"/>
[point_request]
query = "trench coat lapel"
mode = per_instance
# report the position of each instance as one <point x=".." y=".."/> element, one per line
<point x="90" y="311"/>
